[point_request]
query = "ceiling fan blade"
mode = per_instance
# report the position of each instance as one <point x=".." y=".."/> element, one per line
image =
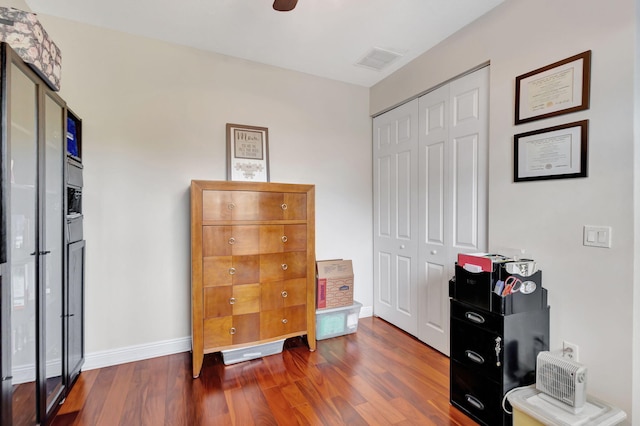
<point x="284" y="5"/>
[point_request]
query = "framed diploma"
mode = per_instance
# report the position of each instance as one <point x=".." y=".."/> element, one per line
<point x="554" y="153"/>
<point x="247" y="153"/>
<point x="559" y="88"/>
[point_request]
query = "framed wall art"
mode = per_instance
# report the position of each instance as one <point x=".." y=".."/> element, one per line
<point x="247" y="153"/>
<point x="553" y="153"/>
<point x="559" y="88"/>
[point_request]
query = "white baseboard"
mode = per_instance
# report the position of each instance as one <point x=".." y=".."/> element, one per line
<point x="151" y="350"/>
<point x="136" y="353"/>
<point x="366" y="311"/>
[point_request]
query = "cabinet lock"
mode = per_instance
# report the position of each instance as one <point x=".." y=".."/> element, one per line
<point x="498" y="350"/>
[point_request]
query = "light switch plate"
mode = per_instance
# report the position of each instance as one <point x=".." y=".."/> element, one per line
<point x="597" y="236"/>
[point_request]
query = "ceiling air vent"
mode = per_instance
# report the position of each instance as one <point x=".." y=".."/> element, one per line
<point x="378" y="59"/>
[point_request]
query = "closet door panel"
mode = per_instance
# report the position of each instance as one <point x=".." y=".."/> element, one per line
<point x="466" y="188"/>
<point x="383" y="195"/>
<point x="435" y="184"/>
<point x="395" y="216"/>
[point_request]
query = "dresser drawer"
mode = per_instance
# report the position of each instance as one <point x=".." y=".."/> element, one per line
<point x="474" y="394"/>
<point x="231" y="300"/>
<point x="279" y="294"/>
<point x="476" y="348"/>
<point x="472" y="315"/>
<point x="283" y="266"/>
<point x="231" y="330"/>
<point x="228" y="270"/>
<point x="281" y="322"/>
<point x="230" y="240"/>
<point x="253" y="205"/>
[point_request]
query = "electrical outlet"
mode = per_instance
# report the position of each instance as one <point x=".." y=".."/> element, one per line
<point x="570" y="351"/>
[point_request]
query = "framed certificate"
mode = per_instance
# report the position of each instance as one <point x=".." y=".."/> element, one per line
<point x="559" y="88"/>
<point x="247" y="153"/>
<point x="553" y="153"/>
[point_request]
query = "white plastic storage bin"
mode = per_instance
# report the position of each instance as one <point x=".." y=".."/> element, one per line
<point x="233" y="356"/>
<point x="337" y="321"/>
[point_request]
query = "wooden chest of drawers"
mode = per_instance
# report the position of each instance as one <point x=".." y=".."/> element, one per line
<point x="252" y="265"/>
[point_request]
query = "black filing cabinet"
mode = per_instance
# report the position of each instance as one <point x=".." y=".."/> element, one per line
<point x="495" y="340"/>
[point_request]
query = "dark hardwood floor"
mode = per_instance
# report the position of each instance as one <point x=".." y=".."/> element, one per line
<point x="376" y="376"/>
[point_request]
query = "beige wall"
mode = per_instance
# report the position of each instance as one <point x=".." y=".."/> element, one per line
<point x="154" y="118"/>
<point x="590" y="289"/>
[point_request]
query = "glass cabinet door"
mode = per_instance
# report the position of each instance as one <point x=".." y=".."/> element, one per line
<point x="22" y="244"/>
<point x="53" y="254"/>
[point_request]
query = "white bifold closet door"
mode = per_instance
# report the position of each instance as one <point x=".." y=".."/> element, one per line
<point x="430" y="202"/>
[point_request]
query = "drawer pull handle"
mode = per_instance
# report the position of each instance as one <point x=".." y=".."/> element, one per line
<point x="474" y="401"/>
<point x="474" y="356"/>
<point x="232" y="240"/>
<point x="232" y="271"/>
<point x="284" y="206"/>
<point x="232" y="330"/>
<point x="284" y="320"/>
<point x="231" y="206"/>
<point x="284" y="293"/>
<point x="477" y="318"/>
<point x="284" y="239"/>
<point x="284" y="266"/>
<point x="232" y="301"/>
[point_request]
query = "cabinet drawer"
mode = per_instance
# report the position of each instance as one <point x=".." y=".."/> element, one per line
<point x="253" y="205"/>
<point x="283" y="266"/>
<point x="231" y="330"/>
<point x="231" y="300"/>
<point x="472" y="315"/>
<point x="282" y="238"/>
<point x="475" y="347"/>
<point x="279" y="294"/>
<point x="228" y="270"/>
<point x="280" y="322"/>
<point x="473" y="393"/>
<point x="230" y="240"/>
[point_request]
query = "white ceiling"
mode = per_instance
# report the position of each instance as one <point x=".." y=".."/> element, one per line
<point x="320" y="37"/>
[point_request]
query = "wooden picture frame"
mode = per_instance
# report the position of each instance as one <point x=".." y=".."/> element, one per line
<point x="247" y="153"/>
<point x="559" y="88"/>
<point x="557" y="152"/>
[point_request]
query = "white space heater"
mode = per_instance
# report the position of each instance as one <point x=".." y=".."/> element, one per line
<point x="563" y="382"/>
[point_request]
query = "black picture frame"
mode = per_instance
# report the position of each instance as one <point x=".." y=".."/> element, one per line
<point x="559" y="88"/>
<point x="558" y="152"/>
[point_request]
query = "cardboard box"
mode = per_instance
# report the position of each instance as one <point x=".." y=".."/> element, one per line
<point x="23" y="32"/>
<point x="334" y="283"/>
